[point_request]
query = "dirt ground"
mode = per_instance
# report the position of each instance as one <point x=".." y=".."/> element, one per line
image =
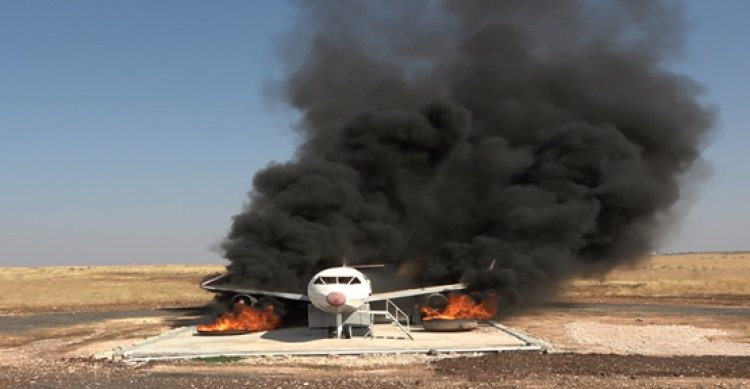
<point x="626" y="330"/>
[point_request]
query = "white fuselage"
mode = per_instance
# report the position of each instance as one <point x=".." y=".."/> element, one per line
<point x="339" y="289"/>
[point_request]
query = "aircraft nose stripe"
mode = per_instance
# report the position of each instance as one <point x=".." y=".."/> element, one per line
<point x="336" y="299"/>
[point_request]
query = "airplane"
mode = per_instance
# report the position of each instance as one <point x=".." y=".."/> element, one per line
<point x="340" y="291"/>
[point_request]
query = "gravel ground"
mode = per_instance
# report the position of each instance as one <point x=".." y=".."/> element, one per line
<point x="51" y="351"/>
<point x="655" y="339"/>
<point x="528" y="369"/>
<point x="522" y="365"/>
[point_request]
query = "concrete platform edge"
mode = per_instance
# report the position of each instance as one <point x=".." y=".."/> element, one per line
<point x="434" y="351"/>
<point x="522" y="336"/>
<point x="132" y="353"/>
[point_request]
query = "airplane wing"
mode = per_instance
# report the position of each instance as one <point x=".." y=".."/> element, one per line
<point x="208" y="285"/>
<point x="416" y="292"/>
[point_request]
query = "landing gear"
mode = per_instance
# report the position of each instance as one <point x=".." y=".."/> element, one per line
<point x="339" y="324"/>
<point x="340" y="331"/>
<point x="346" y="333"/>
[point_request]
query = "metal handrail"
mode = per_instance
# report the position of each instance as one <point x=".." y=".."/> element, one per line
<point x="398" y="313"/>
<point x="395" y="318"/>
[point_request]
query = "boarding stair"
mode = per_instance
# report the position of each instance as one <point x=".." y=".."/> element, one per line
<point x="395" y="315"/>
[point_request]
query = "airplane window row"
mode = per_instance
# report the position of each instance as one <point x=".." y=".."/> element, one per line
<point x="337" y="280"/>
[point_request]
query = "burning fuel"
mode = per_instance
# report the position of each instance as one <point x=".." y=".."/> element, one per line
<point x="463" y="306"/>
<point x="244" y="318"/>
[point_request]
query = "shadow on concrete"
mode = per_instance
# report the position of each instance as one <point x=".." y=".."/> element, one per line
<point x="295" y="335"/>
<point x="189" y="316"/>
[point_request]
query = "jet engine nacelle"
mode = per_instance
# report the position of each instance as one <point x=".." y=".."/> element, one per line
<point x="437" y="301"/>
<point x="244" y="299"/>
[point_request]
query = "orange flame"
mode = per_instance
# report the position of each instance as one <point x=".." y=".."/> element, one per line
<point x="463" y="306"/>
<point x="245" y="318"/>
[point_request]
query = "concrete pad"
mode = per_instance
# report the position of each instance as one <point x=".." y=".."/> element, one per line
<point x="184" y="343"/>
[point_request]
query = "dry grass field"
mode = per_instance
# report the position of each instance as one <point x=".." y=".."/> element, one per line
<point x="723" y="276"/>
<point x="622" y="330"/>
<point x="75" y="287"/>
<point x="694" y="276"/>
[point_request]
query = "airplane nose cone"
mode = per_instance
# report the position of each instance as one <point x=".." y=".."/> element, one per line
<point x="336" y="299"/>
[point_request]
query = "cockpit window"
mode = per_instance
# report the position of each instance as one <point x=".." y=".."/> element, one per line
<point x="329" y="280"/>
<point x="345" y="280"/>
<point x="337" y="280"/>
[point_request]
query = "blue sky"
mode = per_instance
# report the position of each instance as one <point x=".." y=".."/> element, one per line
<point x="718" y="56"/>
<point x="130" y="131"/>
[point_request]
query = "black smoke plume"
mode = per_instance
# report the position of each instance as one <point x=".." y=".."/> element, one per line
<point x="547" y="135"/>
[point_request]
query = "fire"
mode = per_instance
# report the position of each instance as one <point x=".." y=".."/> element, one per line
<point x="245" y="318"/>
<point x="463" y="306"/>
